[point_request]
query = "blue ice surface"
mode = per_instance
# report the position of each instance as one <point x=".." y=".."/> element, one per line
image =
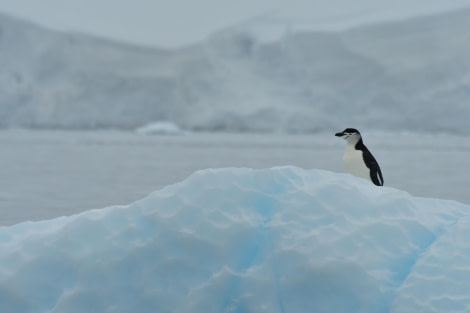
<point x="283" y="239"/>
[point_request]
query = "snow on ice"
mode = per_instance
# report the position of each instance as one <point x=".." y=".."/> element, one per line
<point x="242" y="240"/>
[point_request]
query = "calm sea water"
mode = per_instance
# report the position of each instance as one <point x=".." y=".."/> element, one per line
<point x="46" y="174"/>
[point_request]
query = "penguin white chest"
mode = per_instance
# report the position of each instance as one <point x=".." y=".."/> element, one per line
<point x="353" y="163"/>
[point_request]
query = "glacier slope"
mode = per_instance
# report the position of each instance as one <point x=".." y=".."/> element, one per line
<point x="402" y="75"/>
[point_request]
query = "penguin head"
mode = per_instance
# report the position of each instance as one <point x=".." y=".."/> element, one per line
<point x="351" y="135"/>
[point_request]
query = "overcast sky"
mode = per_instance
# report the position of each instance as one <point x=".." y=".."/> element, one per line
<point x="172" y="23"/>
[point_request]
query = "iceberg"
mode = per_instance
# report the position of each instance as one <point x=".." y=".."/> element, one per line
<point x="160" y="128"/>
<point x="283" y="239"/>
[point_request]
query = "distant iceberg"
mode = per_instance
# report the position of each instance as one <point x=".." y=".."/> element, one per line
<point x="160" y="128"/>
<point x="242" y="240"/>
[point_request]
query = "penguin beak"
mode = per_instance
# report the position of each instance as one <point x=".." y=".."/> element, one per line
<point x="339" y="134"/>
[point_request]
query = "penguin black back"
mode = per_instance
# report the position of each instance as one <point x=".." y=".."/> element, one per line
<point x="371" y="163"/>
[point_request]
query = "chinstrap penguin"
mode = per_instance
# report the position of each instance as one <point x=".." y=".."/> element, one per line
<point x="358" y="160"/>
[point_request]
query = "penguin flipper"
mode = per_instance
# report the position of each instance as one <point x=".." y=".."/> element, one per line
<point x="376" y="176"/>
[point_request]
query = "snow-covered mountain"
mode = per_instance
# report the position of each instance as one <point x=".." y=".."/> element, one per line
<point x="408" y="75"/>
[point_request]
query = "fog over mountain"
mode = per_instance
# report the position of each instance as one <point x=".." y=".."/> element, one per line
<point x="408" y="75"/>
